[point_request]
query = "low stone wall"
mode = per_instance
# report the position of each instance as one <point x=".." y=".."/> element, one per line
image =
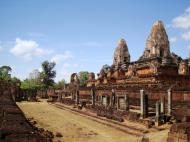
<point x="28" y="95"/>
<point x="68" y="101"/>
<point x="14" y="127"/>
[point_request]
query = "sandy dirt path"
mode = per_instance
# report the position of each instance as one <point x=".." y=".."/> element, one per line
<point x="74" y="128"/>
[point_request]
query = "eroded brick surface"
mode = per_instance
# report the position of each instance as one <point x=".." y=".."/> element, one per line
<point x="13" y="125"/>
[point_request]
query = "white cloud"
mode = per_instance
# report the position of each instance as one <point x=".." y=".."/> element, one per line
<point x="65" y="75"/>
<point x="173" y="39"/>
<point x="28" y="49"/>
<point x="182" y="21"/>
<point x="60" y="57"/>
<point x="65" y="71"/>
<point x="186" y="35"/>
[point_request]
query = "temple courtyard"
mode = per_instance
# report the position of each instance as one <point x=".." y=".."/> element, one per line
<point x="77" y="127"/>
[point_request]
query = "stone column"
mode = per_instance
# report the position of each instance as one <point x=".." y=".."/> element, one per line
<point x="144" y="104"/>
<point x="77" y="97"/>
<point x="127" y="103"/>
<point x="101" y="100"/>
<point x="72" y="96"/>
<point x="113" y="98"/>
<point x="162" y="104"/>
<point x="117" y="102"/>
<point x="169" y="101"/>
<point x="141" y="102"/>
<point x="59" y="97"/>
<point x="157" y="122"/>
<point x="157" y="109"/>
<point x="106" y="99"/>
<point x="93" y="96"/>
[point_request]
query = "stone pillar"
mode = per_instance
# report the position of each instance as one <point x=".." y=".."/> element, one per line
<point x="157" y="122"/>
<point x="117" y="102"/>
<point x="113" y="98"/>
<point x="169" y="101"/>
<point x="162" y="104"/>
<point x="59" y="97"/>
<point x="93" y="97"/>
<point x="157" y="109"/>
<point x="127" y="103"/>
<point x="106" y="99"/>
<point x="77" y="97"/>
<point x="144" y="104"/>
<point x="101" y="100"/>
<point x="72" y="96"/>
<point x="141" y="102"/>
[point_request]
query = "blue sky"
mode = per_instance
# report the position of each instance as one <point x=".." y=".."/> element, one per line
<point x="81" y="35"/>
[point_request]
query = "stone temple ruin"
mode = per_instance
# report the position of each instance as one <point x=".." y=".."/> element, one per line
<point x="157" y="85"/>
<point x="14" y="127"/>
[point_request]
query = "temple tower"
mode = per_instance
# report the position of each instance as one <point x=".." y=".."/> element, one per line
<point x="121" y="54"/>
<point x="157" y="44"/>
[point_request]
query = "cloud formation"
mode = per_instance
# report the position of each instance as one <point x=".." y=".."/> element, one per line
<point x="186" y="35"/>
<point x="66" y="70"/>
<point x="60" y="57"/>
<point x="182" y="21"/>
<point x="27" y="49"/>
<point x="173" y="39"/>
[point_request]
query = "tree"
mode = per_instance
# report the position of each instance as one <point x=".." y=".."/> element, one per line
<point x="16" y="81"/>
<point x="27" y="84"/>
<point x="5" y="72"/>
<point x="48" y="74"/>
<point x="35" y="78"/>
<point x="105" y="67"/>
<point x="83" y="77"/>
<point x="60" y="84"/>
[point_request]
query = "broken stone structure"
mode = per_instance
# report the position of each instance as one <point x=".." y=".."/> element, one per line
<point x="179" y="132"/>
<point x="159" y="75"/>
<point x="13" y="125"/>
<point x="156" y="71"/>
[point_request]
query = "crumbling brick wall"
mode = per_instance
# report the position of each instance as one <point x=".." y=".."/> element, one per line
<point x="14" y="127"/>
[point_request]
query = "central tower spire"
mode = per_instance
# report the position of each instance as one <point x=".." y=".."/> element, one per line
<point x="157" y="43"/>
<point x="121" y="54"/>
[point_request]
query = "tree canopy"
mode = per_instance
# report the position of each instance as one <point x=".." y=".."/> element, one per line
<point x="83" y="77"/>
<point x="28" y="84"/>
<point x="40" y="80"/>
<point x="60" y="84"/>
<point x="48" y="74"/>
<point x="5" y="72"/>
<point x="105" y="67"/>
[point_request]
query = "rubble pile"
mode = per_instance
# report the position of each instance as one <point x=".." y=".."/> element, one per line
<point x="179" y="132"/>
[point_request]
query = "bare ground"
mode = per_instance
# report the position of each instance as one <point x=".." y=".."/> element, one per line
<point x="76" y="128"/>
